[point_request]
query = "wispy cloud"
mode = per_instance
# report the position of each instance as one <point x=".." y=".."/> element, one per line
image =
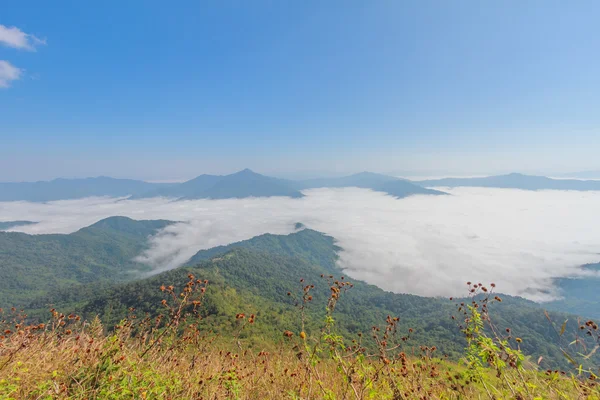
<point x="424" y="245"/>
<point x="8" y="73"/>
<point x="17" y="39"/>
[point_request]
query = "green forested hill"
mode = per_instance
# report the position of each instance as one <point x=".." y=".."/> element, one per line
<point x="249" y="278"/>
<point x="580" y="295"/>
<point x="87" y="272"/>
<point x="309" y="245"/>
<point x="36" y="264"/>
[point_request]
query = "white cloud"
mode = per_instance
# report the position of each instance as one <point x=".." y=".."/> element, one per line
<point x="16" y="38"/>
<point x="425" y="245"/>
<point x="8" y="73"/>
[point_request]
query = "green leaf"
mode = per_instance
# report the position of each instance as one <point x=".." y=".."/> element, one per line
<point x="569" y="358"/>
<point x="591" y="352"/>
<point x="562" y="328"/>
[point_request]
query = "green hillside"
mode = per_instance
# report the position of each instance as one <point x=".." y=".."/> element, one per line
<point x="579" y="295"/>
<point x="36" y="264"/>
<point x="249" y="278"/>
<point x="309" y="245"/>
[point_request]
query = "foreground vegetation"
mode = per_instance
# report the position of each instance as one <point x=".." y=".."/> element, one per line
<point x="253" y="277"/>
<point x="176" y="355"/>
<point x="93" y="272"/>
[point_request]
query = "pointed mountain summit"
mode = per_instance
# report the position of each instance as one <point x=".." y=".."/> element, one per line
<point x="247" y="183"/>
<point x="126" y="226"/>
<point x="242" y="184"/>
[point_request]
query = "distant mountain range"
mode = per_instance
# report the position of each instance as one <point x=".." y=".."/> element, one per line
<point x="247" y="183"/>
<point x="515" y="181"/>
<point x="595" y="174"/>
<point x="368" y="180"/>
<point x="62" y="189"/>
<point x="242" y="184"/>
<point x="5" y="225"/>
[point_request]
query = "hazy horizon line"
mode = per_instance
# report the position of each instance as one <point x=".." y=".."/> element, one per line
<point x="412" y="176"/>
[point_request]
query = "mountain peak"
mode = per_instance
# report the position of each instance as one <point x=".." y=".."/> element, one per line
<point x="126" y="225"/>
<point x="113" y="221"/>
<point x="245" y="171"/>
<point x="374" y="175"/>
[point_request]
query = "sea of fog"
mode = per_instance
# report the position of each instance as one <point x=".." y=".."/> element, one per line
<point x="424" y="245"/>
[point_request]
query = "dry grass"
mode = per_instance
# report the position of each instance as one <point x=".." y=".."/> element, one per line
<point x="170" y="357"/>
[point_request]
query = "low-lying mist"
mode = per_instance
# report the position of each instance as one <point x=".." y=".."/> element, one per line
<point x="424" y="245"/>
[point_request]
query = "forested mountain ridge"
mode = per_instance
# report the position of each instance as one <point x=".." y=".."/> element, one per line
<point x="580" y="295"/>
<point x="87" y="271"/>
<point x="307" y="244"/>
<point x="248" y="278"/>
<point x="36" y="264"/>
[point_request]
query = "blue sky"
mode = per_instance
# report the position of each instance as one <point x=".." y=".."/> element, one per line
<point x="159" y="90"/>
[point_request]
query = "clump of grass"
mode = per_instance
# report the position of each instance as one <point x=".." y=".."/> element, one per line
<point x="174" y="356"/>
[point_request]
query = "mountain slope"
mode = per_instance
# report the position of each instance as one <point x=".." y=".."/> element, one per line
<point x="514" y="181"/>
<point x="36" y="264"/>
<point x="191" y="188"/>
<point x="5" y="225"/>
<point x="368" y="180"/>
<point x="255" y="277"/>
<point x="400" y="188"/>
<point x="312" y="246"/>
<point x="580" y="295"/>
<point x="242" y="184"/>
<point x="62" y="189"/>
<point x="247" y="183"/>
